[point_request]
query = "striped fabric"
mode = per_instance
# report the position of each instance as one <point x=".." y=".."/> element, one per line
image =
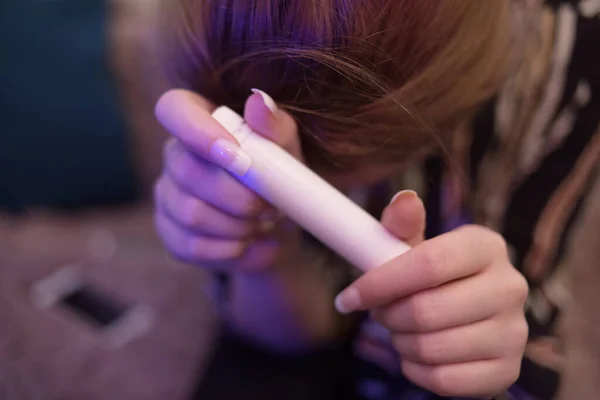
<point x="531" y="159"/>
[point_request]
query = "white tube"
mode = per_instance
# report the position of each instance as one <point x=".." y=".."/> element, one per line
<point x="310" y="201"/>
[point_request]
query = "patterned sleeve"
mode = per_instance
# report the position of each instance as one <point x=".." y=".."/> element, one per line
<point x="582" y="331"/>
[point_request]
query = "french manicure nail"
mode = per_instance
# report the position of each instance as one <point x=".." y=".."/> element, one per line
<point x="348" y="301"/>
<point x="407" y="193"/>
<point x="269" y="102"/>
<point x="230" y="156"/>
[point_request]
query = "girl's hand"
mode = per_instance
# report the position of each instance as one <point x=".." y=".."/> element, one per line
<point x="203" y="214"/>
<point x="454" y="305"/>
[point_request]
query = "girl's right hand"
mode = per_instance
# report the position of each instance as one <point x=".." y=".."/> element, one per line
<point x="203" y="214"/>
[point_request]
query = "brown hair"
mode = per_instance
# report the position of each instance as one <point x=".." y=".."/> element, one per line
<point x="367" y="81"/>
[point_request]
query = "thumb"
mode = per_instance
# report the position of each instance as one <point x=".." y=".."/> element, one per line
<point x="264" y="117"/>
<point x="405" y="217"/>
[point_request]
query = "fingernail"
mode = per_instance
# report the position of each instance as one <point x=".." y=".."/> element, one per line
<point x="407" y="193"/>
<point x="269" y="102"/>
<point x="230" y="156"/>
<point x="348" y="301"/>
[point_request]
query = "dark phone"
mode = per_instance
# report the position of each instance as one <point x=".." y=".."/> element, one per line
<point x="93" y="306"/>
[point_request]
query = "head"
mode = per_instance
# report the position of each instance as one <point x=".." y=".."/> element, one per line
<point x="369" y="82"/>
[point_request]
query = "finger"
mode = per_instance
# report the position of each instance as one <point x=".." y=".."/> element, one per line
<point x="484" y="340"/>
<point x="262" y="254"/>
<point x="195" y="249"/>
<point x="477" y="379"/>
<point x="455" y="255"/>
<point x="454" y="304"/>
<point x="201" y="218"/>
<point x="203" y="180"/>
<point x="264" y="117"/>
<point x="405" y="217"/>
<point x="187" y="116"/>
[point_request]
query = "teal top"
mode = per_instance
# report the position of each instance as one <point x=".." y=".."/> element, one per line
<point x="63" y="140"/>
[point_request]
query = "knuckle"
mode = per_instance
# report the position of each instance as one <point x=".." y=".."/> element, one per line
<point x="202" y="251"/>
<point x="195" y="250"/>
<point x="498" y="241"/>
<point x="517" y="335"/>
<point x="158" y="228"/>
<point x="516" y="289"/>
<point x="247" y="230"/>
<point x="178" y="255"/>
<point x="246" y="205"/>
<point x="158" y="189"/>
<point x="237" y="251"/>
<point x="176" y="250"/>
<point x="513" y="371"/>
<point x="422" y="313"/>
<point x="176" y="244"/>
<point x="241" y="202"/>
<point x="171" y="146"/>
<point x="472" y="230"/>
<point x="369" y="287"/>
<point x="434" y="263"/>
<point x="191" y="212"/>
<point x="482" y="236"/>
<point x="182" y="168"/>
<point x="428" y="349"/>
<point x="161" y="226"/>
<point x="477" y="230"/>
<point x="507" y="372"/>
<point x="386" y="315"/>
<point x="381" y="316"/>
<point x="520" y="288"/>
<point x="441" y="383"/>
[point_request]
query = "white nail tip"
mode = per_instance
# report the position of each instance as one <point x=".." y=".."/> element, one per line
<point x="402" y="192"/>
<point x="230" y="156"/>
<point x="339" y="305"/>
<point x="241" y="164"/>
<point x="268" y="100"/>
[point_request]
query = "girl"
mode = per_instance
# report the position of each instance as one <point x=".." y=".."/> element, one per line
<point x="359" y="91"/>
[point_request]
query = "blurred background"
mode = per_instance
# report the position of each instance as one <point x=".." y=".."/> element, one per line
<point x="90" y="305"/>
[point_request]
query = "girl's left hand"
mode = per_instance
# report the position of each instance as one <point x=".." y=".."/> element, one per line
<point x="454" y="305"/>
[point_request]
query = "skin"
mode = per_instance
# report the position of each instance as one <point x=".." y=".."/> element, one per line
<point x="454" y="304"/>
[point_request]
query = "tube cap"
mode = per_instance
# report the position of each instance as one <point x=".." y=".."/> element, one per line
<point x="230" y="120"/>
